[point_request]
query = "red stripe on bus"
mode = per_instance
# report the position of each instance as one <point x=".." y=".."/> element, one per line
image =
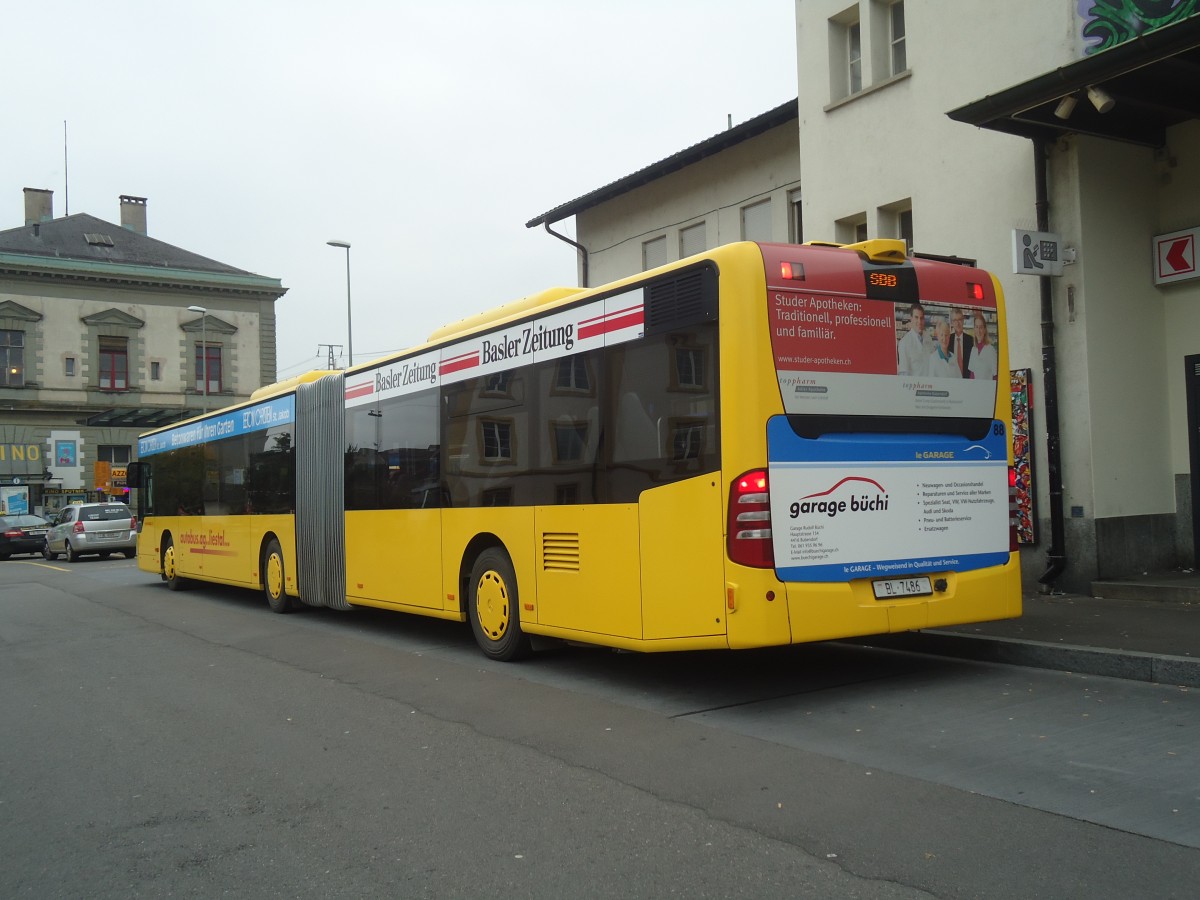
<point x="359" y="390"/>
<point x="458" y="363"/>
<point x="625" y="318"/>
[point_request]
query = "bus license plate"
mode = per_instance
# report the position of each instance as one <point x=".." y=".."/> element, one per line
<point x="887" y="588"/>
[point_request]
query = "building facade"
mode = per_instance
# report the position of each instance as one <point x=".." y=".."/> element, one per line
<point x="1087" y="129"/>
<point x="106" y="332"/>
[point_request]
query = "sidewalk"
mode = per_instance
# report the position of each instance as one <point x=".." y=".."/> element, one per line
<point x="1146" y="639"/>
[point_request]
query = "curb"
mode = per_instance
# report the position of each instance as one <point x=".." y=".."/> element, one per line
<point x="1183" y="671"/>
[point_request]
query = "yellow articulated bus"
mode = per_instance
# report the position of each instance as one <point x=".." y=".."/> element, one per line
<point x="762" y="445"/>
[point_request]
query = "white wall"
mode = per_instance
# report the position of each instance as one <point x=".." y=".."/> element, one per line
<point x="712" y="191"/>
<point x="1123" y="315"/>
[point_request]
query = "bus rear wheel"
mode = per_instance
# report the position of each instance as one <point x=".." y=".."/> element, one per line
<point x="273" y="579"/>
<point x="494" y="607"/>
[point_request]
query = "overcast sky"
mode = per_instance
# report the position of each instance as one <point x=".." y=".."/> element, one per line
<point x="425" y="134"/>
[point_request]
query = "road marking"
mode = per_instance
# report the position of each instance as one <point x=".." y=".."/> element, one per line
<point x="30" y="562"/>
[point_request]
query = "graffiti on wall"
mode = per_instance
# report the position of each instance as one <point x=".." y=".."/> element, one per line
<point x="1107" y="23"/>
<point x="1021" y="385"/>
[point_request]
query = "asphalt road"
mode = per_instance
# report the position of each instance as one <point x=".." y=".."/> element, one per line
<point x="192" y="744"/>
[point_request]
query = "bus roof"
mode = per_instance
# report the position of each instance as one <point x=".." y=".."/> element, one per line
<point x="499" y="313"/>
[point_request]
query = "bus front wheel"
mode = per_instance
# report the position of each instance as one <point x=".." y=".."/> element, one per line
<point x="494" y="607"/>
<point x="273" y="579"/>
<point x="170" y="568"/>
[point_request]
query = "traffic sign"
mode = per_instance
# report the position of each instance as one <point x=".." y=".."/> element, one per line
<point x="1175" y="256"/>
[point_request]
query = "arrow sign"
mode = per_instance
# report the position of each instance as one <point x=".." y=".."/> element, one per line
<point x="1175" y="256"/>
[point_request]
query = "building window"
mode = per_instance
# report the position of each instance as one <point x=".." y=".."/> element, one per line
<point x="497" y="384"/>
<point x="654" y="252"/>
<point x="155" y="371"/>
<point x="896" y="221"/>
<point x="845" y="54"/>
<point x="851" y="229"/>
<point x="692" y="240"/>
<point x="854" y="57"/>
<point x="687" y="440"/>
<point x="571" y="375"/>
<point x="899" y="52"/>
<point x="569" y="441"/>
<point x="213" y="368"/>
<point x="689" y="369"/>
<point x="496" y="438"/>
<point x="756" y="221"/>
<point x="12" y="357"/>
<point x="69" y="366"/>
<point x="796" y="219"/>
<point x="496" y="497"/>
<point x="114" y="363"/>
<point x="117" y="454"/>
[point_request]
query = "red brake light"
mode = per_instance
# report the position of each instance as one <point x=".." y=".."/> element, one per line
<point x="13" y="533"/>
<point x="748" y="531"/>
<point x="133" y="523"/>
<point x="791" y="271"/>
<point x="975" y="290"/>
<point x="77" y="528"/>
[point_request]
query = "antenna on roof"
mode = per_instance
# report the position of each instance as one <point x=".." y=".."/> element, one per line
<point x="66" y="179"/>
<point x="729" y="120"/>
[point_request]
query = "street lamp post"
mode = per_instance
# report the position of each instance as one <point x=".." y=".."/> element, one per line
<point x="345" y="245"/>
<point x="203" y="348"/>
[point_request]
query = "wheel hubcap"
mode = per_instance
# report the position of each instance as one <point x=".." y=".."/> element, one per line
<point x="169" y="563"/>
<point x="492" y="606"/>
<point x="275" y="575"/>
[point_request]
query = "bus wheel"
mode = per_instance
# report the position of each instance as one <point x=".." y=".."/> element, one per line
<point x="495" y="608"/>
<point x="272" y="576"/>
<point x="170" y="569"/>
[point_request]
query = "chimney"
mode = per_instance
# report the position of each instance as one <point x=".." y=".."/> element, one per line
<point x="133" y="213"/>
<point x="39" y="205"/>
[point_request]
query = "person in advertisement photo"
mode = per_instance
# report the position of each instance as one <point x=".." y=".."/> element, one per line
<point x="914" y="348"/>
<point x="941" y="362"/>
<point x="961" y="343"/>
<point x="984" y="360"/>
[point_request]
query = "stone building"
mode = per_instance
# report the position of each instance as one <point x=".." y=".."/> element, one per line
<point x="106" y="332"/>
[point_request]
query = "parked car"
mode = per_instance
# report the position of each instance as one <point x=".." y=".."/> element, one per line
<point x="22" y="534"/>
<point x="83" y="528"/>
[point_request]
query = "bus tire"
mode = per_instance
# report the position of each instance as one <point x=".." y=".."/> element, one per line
<point x="273" y="579"/>
<point x="494" y="607"/>
<point x="170" y="568"/>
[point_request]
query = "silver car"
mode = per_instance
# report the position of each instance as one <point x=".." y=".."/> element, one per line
<point x="101" y="528"/>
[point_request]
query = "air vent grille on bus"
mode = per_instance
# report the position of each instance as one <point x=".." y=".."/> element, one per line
<point x="560" y="551"/>
<point x="686" y="299"/>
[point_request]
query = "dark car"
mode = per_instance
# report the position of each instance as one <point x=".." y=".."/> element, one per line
<point x="22" y="534"/>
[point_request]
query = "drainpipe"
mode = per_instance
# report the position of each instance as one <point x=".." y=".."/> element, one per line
<point x="583" y="254"/>
<point x="1056" y="558"/>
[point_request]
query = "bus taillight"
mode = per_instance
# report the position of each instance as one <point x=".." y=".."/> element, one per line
<point x="791" y="271"/>
<point x="1012" y="510"/>
<point x="749" y="528"/>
